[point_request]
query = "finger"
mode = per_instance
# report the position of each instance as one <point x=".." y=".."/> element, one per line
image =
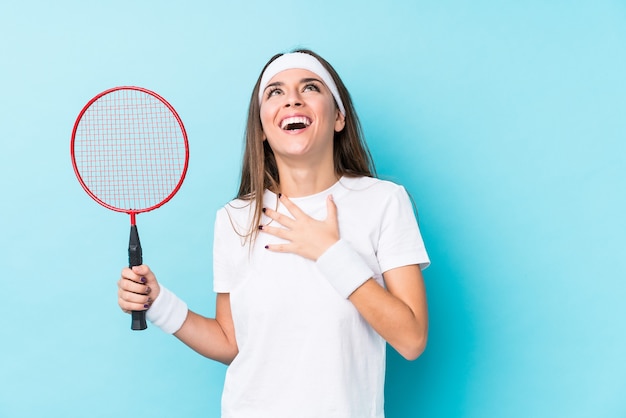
<point x="331" y="209"/>
<point x="275" y="231"/>
<point x="291" y="207"/>
<point x="134" y="287"/>
<point x="279" y="248"/>
<point x="134" y="301"/>
<point x="143" y="270"/>
<point x="284" y="220"/>
<point x="139" y="274"/>
<point x="127" y="306"/>
<point x="127" y="273"/>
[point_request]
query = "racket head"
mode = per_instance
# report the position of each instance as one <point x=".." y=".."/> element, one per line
<point x="129" y="149"/>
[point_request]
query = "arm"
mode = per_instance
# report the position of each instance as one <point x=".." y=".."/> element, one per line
<point x="399" y="313"/>
<point x="213" y="338"/>
<point x="138" y="289"/>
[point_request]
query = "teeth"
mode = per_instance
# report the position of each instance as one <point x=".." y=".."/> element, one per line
<point x="301" y="120"/>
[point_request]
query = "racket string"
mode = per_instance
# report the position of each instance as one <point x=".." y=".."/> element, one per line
<point x="130" y="150"/>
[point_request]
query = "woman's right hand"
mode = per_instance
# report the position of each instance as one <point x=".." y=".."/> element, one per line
<point x="137" y="289"/>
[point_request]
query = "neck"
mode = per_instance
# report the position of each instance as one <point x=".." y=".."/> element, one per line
<point x="306" y="181"/>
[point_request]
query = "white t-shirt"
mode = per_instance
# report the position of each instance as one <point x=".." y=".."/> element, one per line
<point x="304" y="351"/>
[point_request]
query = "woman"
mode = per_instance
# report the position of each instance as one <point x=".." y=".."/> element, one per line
<point x="317" y="264"/>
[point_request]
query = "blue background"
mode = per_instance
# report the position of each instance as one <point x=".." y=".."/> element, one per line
<point x="504" y="120"/>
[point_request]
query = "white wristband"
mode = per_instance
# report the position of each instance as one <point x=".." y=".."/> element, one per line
<point x="168" y="311"/>
<point x="344" y="268"/>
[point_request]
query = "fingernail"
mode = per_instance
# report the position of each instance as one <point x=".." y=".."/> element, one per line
<point x="146" y="306"/>
<point x="148" y="290"/>
<point x="267" y="246"/>
<point x="280" y="195"/>
<point x="263" y="210"/>
<point x="143" y="280"/>
<point x="260" y="226"/>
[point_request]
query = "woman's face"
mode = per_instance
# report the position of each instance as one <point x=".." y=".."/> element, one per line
<point x="299" y="116"/>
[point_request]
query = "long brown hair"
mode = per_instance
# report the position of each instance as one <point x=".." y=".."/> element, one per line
<point x="259" y="171"/>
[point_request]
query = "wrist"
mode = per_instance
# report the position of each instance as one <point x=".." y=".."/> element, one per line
<point x="168" y="311"/>
<point x="344" y="268"/>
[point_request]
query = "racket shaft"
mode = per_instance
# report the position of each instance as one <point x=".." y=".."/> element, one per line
<point x="135" y="258"/>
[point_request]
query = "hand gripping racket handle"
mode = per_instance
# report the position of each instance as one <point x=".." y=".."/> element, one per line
<point x="135" y="258"/>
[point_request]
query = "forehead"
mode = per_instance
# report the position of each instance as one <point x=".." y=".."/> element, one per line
<point x="293" y="74"/>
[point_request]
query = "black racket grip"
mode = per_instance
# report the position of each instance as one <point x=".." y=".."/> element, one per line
<point x="135" y="258"/>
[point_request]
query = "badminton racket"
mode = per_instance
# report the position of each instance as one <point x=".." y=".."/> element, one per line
<point x="130" y="153"/>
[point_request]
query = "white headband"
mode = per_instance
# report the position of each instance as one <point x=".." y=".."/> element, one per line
<point x="303" y="61"/>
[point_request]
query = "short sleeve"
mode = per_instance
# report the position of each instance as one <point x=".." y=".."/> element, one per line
<point x="225" y="242"/>
<point x="400" y="240"/>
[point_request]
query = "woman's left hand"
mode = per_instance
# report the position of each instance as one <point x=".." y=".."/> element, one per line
<point x="306" y="236"/>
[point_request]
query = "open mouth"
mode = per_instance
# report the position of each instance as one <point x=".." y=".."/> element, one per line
<point x="295" y="123"/>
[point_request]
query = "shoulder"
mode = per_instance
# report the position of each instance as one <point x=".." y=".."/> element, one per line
<point x="235" y="215"/>
<point x="370" y="187"/>
<point x="381" y="197"/>
<point x="236" y="207"/>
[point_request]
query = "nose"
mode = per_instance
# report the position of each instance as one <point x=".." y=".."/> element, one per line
<point x="293" y="99"/>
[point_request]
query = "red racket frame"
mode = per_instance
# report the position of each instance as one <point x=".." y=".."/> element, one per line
<point x="131" y="212"/>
